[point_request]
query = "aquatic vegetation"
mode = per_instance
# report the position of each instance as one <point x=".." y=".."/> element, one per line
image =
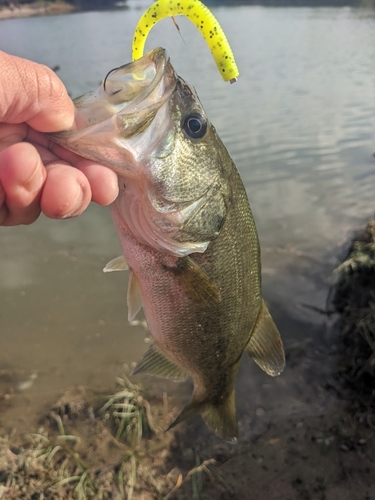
<point x="56" y="466"/>
<point x="81" y="453"/>
<point x="44" y="467"/>
<point x="353" y="297"/>
<point x="129" y="412"/>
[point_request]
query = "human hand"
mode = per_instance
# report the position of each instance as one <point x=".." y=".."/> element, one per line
<point x="35" y="174"/>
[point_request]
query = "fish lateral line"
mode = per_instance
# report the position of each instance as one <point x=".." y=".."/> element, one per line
<point x="200" y="15"/>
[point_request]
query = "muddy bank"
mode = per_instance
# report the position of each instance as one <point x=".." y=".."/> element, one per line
<point x="38" y="9"/>
<point x="75" y="455"/>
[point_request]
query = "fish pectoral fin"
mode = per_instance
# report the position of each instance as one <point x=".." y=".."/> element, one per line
<point x="155" y="362"/>
<point x="195" y="282"/>
<point x="116" y="264"/>
<point x="220" y="417"/>
<point x="265" y="345"/>
<point x="134" y="296"/>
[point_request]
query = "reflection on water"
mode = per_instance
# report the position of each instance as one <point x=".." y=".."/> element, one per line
<point x="299" y="124"/>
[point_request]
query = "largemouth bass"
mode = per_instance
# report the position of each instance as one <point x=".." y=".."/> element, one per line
<point x="186" y="230"/>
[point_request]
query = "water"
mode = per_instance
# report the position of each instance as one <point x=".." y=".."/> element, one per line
<point x="300" y="126"/>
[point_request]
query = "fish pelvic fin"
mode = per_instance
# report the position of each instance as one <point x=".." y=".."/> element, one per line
<point x="220" y="417"/>
<point x="116" y="264"/>
<point x="265" y="345"/>
<point x="156" y="363"/>
<point x="195" y="282"/>
<point x="134" y="296"/>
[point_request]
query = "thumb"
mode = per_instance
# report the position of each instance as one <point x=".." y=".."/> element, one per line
<point x="32" y="93"/>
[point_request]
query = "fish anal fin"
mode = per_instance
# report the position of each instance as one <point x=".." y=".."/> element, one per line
<point x="134" y="296"/>
<point x="265" y="345"/>
<point x="116" y="264"/>
<point x="155" y="362"/>
<point x="195" y="282"/>
<point x="221" y="417"/>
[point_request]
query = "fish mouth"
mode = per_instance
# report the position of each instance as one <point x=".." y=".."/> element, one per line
<point x="121" y="108"/>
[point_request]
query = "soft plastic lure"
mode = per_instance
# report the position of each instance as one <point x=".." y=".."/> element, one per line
<point x="203" y="19"/>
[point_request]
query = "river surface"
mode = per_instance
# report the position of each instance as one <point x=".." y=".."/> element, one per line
<point x="300" y="126"/>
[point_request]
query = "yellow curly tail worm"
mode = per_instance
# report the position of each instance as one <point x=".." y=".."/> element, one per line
<point x="203" y="19"/>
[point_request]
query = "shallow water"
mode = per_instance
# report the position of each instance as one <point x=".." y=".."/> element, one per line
<point x="299" y="125"/>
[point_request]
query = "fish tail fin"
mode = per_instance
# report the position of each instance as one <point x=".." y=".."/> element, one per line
<point x="221" y="417"/>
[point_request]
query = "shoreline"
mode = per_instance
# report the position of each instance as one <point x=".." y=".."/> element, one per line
<point x="38" y="9"/>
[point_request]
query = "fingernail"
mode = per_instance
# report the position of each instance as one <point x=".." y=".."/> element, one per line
<point x="77" y="208"/>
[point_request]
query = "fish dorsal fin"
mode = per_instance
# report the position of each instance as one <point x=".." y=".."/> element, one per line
<point x="134" y="296"/>
<point x="265" y="345"/>
<point x="155" y="362"/>
<point x="195" y="282"/>
<point x="116" y="264"/>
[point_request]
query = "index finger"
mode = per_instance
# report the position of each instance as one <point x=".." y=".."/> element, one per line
<point x="33" y="93"/>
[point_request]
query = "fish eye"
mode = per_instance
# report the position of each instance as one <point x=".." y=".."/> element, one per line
<point x="194" y="125"/>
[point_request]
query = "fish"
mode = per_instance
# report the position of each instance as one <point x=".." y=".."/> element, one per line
<point x="187" y="234"/>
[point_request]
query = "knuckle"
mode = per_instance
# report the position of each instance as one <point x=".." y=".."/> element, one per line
<point x="49" y="86"/>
